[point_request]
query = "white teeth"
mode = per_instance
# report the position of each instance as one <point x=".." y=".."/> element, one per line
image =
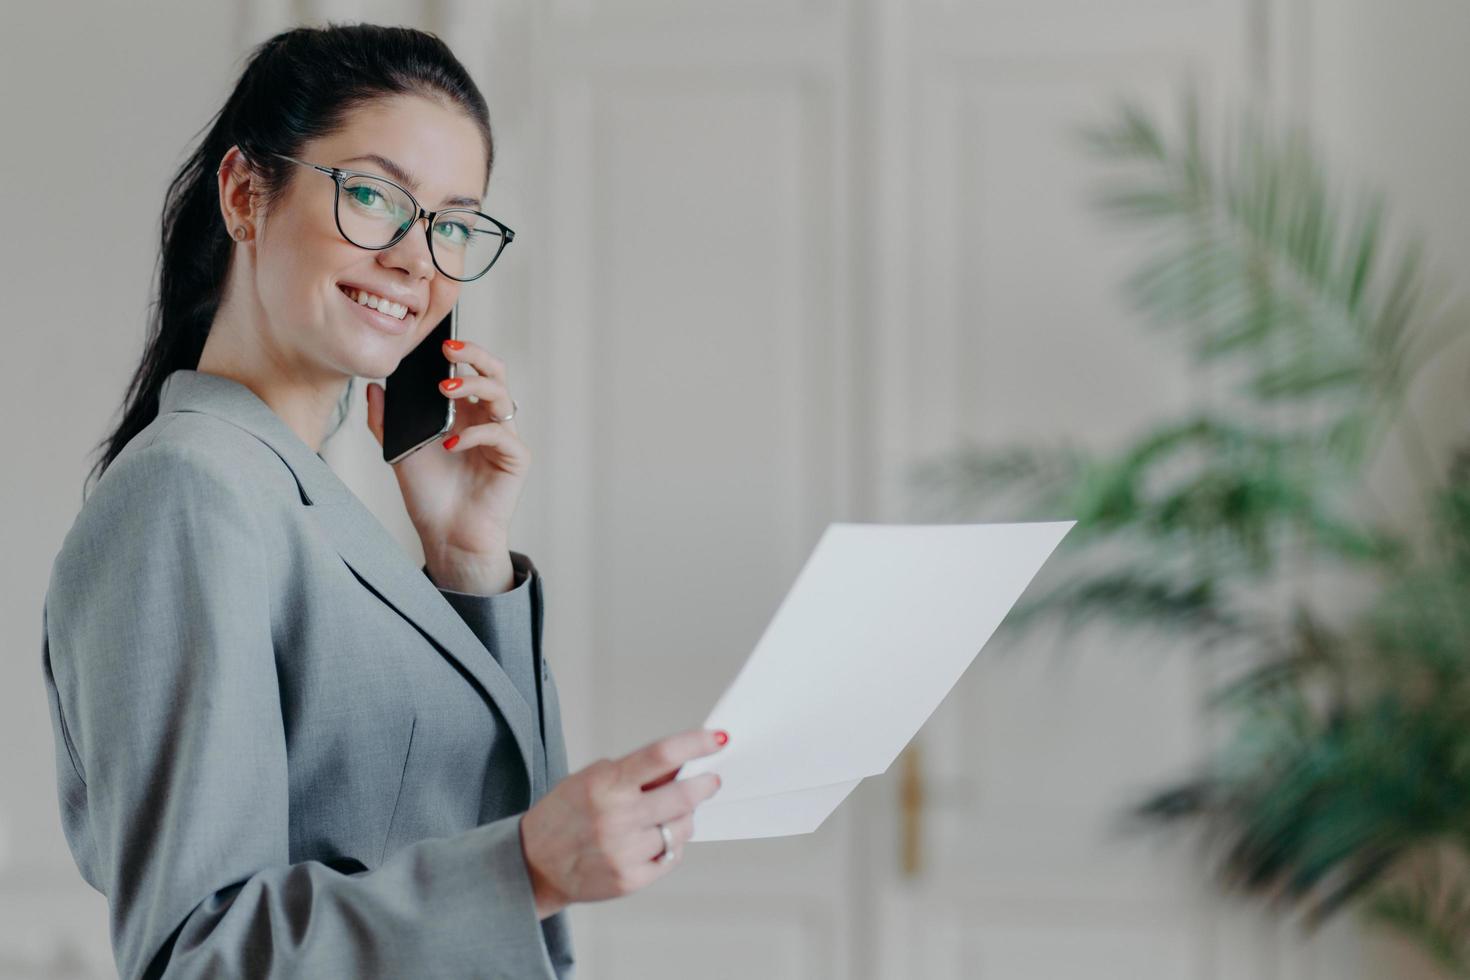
<point x="395" y="310"/>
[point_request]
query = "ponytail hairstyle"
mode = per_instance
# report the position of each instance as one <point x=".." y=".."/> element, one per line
<point x="296" y="87"/>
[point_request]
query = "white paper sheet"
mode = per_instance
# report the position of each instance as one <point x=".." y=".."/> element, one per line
<point x="799" y="812"/>
<point x="879" y="625"/>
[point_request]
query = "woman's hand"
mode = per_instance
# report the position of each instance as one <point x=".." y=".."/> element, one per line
<point x="595" y="835"/>
<point x="460" y="499"/>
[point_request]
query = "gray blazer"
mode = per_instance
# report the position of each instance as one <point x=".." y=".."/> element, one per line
<point x="281" y="750"/>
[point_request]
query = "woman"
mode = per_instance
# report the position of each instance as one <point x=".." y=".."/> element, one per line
<point x="281" y="749"/>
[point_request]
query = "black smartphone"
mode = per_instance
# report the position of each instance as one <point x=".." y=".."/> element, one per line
<point x="415" y="411"/>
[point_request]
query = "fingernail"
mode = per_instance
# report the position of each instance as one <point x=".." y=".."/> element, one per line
<point x="451" y="442"/>
<point x="454" y="344"/>
<point x="722" y="737"/>
<point x="449" y="384"/>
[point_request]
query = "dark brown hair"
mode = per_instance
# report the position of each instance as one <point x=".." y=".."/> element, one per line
<point x="296" y="87"/>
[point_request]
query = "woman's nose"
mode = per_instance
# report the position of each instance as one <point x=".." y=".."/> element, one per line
<point x="411" y="253"/>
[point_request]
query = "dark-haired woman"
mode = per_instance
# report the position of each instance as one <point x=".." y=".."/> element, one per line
<point x="282" y="749"/>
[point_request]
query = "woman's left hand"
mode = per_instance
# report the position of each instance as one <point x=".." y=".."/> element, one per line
<point x="461" y="498"/>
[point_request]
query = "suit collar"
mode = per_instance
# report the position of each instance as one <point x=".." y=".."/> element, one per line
<point x="187" y="390"/>
<point x="364" y="543"/>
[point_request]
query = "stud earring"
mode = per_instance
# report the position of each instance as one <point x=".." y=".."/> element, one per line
<point x="239" y="233"/>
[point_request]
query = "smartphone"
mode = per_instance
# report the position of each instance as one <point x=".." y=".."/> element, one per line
<point x="415" y="411"/>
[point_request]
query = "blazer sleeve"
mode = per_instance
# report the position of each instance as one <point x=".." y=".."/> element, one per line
<point x="162" y="671"/>
<point x="506" y="625"/>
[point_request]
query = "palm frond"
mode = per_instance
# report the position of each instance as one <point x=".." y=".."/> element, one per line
<point x="1256" y="257"/>
<point x="1134" y="598"/>
<point x="1434" y="910"/>
<point x="1348" y="748"/>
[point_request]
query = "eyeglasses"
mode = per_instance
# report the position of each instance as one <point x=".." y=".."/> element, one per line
<point x="373" y="212"/>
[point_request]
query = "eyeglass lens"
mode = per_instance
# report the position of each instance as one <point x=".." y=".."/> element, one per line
<point x="373" y="212"/>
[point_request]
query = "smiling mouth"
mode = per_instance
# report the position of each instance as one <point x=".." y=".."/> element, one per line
<point x="377" y="303"/>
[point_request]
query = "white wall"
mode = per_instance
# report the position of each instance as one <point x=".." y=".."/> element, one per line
<point x="97" y="102"/>
<point x="1387" y="88"/>
<point x="97" y="107"/>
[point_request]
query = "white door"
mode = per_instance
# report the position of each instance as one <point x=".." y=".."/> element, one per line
<point x="995" y="842"/>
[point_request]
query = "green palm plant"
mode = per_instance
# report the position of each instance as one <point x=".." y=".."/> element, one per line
<point x="1345" y="775"/>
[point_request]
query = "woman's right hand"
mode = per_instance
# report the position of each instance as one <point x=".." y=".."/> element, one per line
<point x="595" y="836"/>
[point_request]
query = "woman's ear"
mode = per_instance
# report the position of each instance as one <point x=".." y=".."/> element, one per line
<point x="237" y="195"/>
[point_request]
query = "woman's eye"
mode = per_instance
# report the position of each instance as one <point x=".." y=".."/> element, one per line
<point x="365" y="195"/>
<point x="454" y="232"/>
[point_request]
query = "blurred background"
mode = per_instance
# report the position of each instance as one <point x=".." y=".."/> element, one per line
<point x="1184" y="270"/>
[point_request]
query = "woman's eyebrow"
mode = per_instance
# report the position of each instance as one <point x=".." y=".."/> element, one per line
<point x="404" y="177"/>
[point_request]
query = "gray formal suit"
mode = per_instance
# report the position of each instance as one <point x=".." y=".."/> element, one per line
<point x="281" y="750"/>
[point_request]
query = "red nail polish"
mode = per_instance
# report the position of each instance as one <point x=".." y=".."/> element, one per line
<point x="449" y="384"/>
<point x="451" y="442"/>
<point x="722" y="737"/>
<point x="454" y="344"/>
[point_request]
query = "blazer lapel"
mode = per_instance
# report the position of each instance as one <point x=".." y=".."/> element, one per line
<point x="366" y="546"/>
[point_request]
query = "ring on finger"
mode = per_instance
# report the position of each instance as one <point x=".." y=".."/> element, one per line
<point x="514" y="407"/>
<point x="667" y="854"/>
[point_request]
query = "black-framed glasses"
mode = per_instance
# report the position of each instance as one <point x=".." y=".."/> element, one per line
<point x="375" y="213"/>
